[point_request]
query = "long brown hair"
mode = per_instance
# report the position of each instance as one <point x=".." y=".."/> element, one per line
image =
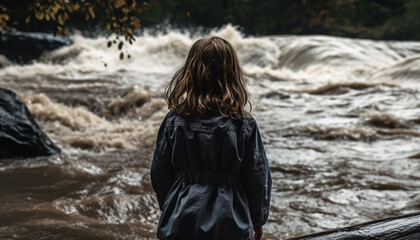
<point x="211" y="80"/>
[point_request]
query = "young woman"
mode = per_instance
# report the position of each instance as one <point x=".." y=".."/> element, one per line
<point x="209" y="169"/>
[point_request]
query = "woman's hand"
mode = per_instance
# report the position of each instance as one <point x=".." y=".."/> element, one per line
<point x="258" y="232"/>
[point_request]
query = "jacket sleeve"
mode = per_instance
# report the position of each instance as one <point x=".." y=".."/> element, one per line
<point x="162" y="174"/>
<point x="256" y="176"/>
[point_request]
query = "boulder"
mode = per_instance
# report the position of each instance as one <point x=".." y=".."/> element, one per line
<point x="20" y="135"/>
<point x="402" y="227"/>
<point x="22" y="47"/>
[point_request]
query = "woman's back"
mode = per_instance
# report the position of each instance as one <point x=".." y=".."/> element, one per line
<point x="209" y="168"/>
<point x="211" y="177"/>
<point x="208" y="144"/>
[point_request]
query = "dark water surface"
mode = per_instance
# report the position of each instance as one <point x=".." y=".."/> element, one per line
<point x="340" y="119"/>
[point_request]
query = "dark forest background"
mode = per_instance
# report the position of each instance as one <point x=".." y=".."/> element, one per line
<point x="373" y="19"/>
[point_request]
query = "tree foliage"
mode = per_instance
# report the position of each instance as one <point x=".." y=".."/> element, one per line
<point x="375" y="19"/>
<point x="118" y="16"/>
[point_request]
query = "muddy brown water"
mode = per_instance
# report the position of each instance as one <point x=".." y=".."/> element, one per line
<point x="340" y="120"/>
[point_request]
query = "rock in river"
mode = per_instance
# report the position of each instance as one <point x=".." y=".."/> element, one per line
<point x="20" y="135"/>
<point x="22" y="47"/>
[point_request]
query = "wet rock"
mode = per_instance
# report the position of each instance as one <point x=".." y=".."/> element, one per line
<point x="20" y="135"/>
<point x="402" y="227"/>
<point x="22" y="47"/>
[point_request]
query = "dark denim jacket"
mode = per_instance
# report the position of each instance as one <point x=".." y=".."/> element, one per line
<point x="211" y="178"/>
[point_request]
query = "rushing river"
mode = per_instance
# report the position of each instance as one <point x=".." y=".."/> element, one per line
<point x="340" y="119"/>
